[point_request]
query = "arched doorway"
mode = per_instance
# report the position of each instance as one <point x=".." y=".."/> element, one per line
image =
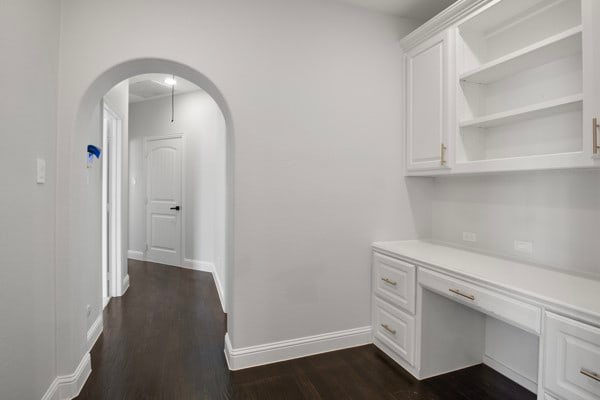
<point x="79" y="212"/>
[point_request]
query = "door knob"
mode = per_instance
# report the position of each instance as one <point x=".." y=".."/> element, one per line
<point x="177" y="208"/>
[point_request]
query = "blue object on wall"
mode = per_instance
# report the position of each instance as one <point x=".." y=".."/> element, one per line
<point x="93" y="151"/>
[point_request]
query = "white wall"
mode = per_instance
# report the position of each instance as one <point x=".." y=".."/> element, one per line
<point x="200" y="120"/>
<point x="315" y="94"/>
<point x="28" y="103"/>
<point x="559" y="211"/>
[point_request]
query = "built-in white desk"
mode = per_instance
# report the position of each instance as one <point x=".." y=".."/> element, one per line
<point x="434" y="308"/>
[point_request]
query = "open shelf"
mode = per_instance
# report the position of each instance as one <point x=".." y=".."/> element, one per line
<point x="556" y="106"/>
<point x="550" y="49"/>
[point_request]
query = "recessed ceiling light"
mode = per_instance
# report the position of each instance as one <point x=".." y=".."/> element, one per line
<point x="170" y="81"/>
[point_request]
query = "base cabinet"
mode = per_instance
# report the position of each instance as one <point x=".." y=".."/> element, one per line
<point x="572" y="359"/>
<point x="448" y="329"/>
<point x="395" y="329"/>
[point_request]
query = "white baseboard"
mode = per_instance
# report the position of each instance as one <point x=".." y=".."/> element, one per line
<point x="136" y="255"/>
<point x="125" y="285"/>
<point x="94" y="332"/>
<point x="207" y="267"/>
<point x="198" y="265"/>
<point x="253" y="356"/>
<point x="67" y="387"/>
<point x="511" y="374"/>
<point x="220" y="291"/>
<point x="52" y="392"/>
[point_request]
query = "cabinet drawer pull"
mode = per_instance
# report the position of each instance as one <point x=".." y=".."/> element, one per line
<point x="387" y="328"/>
<point x="595" y="135"/>
<point x="443" y="149"/>
<point x="458" y="292"/>
<point x="386" y="280"/>
<point x="590" y="374"/>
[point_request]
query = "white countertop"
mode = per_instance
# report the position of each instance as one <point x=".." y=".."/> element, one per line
<point x="556" y="288"/>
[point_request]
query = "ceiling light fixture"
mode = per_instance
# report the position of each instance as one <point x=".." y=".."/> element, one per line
<point x="170" y="81"/>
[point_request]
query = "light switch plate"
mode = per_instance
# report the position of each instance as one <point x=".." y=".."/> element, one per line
<point x="41" y="171"/>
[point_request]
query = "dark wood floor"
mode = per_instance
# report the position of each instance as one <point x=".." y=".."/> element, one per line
<point x="164" y="340"/>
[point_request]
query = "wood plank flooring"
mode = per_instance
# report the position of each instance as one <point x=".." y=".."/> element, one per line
<point x="164" y="340"/>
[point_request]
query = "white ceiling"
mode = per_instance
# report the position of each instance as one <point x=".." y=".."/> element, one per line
<point x="152" y="86"/>
<point x="421" y="10"/>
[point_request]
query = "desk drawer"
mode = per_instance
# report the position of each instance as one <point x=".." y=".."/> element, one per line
<point x="394" y="280"/>
<point x="512" y="311"/>
<point x="572" y="359"/>
<point x="395" y="329"/>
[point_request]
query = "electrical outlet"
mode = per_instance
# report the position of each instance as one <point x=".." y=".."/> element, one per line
<point x="469" y="237"/>
<point x="523" y="247"/>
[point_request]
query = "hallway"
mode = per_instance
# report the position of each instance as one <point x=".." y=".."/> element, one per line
<point x="164" y="340"/>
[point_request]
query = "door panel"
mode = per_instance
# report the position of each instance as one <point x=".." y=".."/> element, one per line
<point x="163" y="221"/>
<point x="591" y="78"/>
<point x="429" y="74"/>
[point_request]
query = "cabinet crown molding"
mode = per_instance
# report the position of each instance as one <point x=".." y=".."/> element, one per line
<point x="443" y="20"/>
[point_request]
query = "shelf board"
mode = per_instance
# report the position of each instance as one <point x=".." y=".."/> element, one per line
<point x="553" y="48"/>
<point x="564" y="104"/>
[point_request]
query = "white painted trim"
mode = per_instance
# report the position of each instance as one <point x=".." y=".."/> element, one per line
<point x="253" y="356"/>
<point x="220" y="290"/>
<point x="136" y="255"/>
<point x="197" y="265"/>
<point x="510" y="373"/>
<point x="52" y="392"/>
<point x="204" y="266"/>
<point x="114" y="217"/>
<point x="443" y="20"/>
<point x="95" y="331"/>
<point x="125" y="285"/>
<point x="67" y="387"/>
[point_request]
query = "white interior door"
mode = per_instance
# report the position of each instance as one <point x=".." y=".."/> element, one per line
<point x="163" y="208"/>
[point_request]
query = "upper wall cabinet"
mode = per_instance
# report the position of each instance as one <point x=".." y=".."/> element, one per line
<point x="429" y="84"/>
<point x="525" y="88"/>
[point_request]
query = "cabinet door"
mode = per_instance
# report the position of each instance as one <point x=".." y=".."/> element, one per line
<point x="591" y="78"/>
<point x="572" y="358"/>
<point x="429" y="69"/>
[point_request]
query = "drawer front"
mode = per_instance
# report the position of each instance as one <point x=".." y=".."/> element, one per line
<point x="395" y="329"/>
<point x="572" y="358"/>
<point x="394" y="280"/>
<point x="512" y="311"/>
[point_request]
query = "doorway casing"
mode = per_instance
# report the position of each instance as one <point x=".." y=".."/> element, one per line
<point x="112" y="172"/>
